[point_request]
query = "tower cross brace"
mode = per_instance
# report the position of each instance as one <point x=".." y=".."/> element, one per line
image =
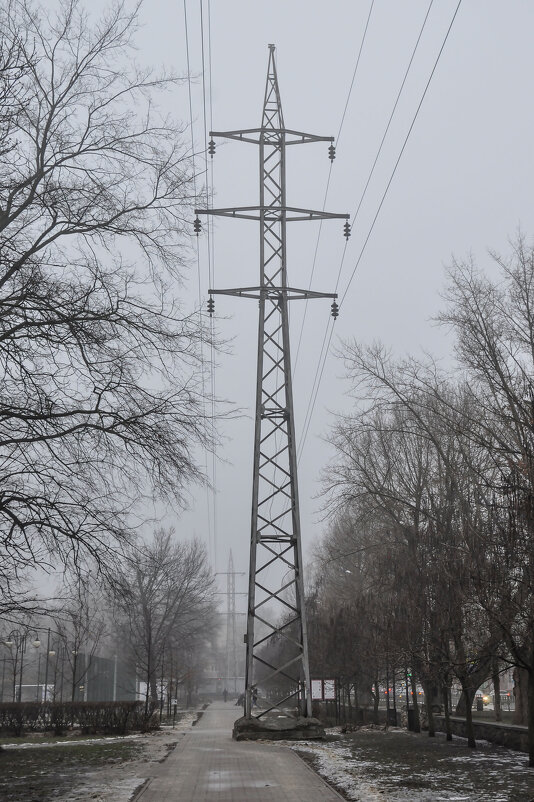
<point x="276" y="639"/>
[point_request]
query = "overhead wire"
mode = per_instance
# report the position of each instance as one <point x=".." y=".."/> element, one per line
<point x="338" y="136"/>
<point x="355" y="71"/>
<point x="199" y="277"/>
<point x="210" y="247"/>
<point x="393" y="172"/>
<point x="390" y="120"/>
<point x="212" y="322"/>
<point x="329" y="328"/>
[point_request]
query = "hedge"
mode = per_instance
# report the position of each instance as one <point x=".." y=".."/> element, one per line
<point x="117" y="718"/>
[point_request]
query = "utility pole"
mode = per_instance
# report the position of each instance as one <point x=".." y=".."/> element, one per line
<point x="276" y="640"/>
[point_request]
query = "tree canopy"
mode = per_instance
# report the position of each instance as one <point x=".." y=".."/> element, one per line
<point x="101" y="395"/>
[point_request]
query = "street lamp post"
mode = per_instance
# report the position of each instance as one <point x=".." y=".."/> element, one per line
<point x="3" y="677"/>
<point x="49" y="653"/>
<point x="63" y="654"/>
<point x="38" y="678"/>
<point x="36" y="644"/>
<point x="53" y="653"/>
<point x="20" y="643"/>
<point x="13" y="639"/>
<point x="74" y="664"/>
<point x="19" y="640"/>
<point x="22" y="647"/>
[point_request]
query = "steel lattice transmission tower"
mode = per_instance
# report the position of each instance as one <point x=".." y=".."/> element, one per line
<point x="231" y="616"/>
<point x="276" y="642"/>
<point x="231" y="662"/>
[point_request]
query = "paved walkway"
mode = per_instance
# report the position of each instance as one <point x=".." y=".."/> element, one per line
<point x="208" y="766"/>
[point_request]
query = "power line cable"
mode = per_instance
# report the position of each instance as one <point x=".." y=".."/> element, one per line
<point x="324" y="351"/>
<point x="386" y="130"/>
<point x="401" y="152"/>
<point x="205" y="119"/>
<point x="212" y="322"/>
<point x="355" y="71"/>
<point x="325" y="348"/>
<point x="209" y="231"/>
<point x="199" y="279"/>
<point x="320" y="364"/>
<point x="296" y="361"/>
<point x="320" y="367"/>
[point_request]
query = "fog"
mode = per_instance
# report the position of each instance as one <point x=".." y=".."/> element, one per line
<point x="462" y="185"/>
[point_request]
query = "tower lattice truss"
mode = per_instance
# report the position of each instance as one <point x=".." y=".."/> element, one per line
<point x="277" y="651"/>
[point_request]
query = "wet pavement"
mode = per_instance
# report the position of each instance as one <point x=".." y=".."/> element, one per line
<point x="209" y="766"/>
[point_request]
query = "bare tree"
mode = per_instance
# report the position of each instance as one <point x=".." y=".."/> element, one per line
<point x="79" y="628"/>
<point x="407" y="457"/>
<point x="101" y="397"/>
<point x="493" y="320"/>
<point x="164" y="605"/>
<point x="348" y="615"/>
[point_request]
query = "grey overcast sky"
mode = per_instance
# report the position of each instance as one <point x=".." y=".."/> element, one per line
<point x="463" y="185"/>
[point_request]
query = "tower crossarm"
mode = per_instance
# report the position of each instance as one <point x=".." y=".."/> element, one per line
<point x="257" y="135"/>
<point x="290" y="214"/>
<point x="290" y="293"/>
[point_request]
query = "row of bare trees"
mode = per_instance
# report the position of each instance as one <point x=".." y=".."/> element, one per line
<point x="165" y="614"/>
<point x="430" y="556"/>
<point x="101" y="371"/>
<point x="155" y="622"/>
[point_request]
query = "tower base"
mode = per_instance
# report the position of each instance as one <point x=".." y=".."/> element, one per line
<point x="278" y="727"/>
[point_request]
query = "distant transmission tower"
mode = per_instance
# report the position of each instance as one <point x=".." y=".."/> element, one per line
<point x="231" y="645"/>
<point x="276" y="642"/>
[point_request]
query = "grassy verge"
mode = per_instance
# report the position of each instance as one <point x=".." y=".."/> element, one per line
<point x="41" y="774"/>
<point x="403" y="767"/>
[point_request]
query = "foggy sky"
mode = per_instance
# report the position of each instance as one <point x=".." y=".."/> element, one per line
<point x="464" y="185"/>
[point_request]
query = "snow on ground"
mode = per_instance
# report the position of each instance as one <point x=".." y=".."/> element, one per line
<point x="335" y="763"/>
<point x="72" y="742"/>
<point x="366" y="766"/>
<point x="118" y="781"/>
<point x="397" y="766"/>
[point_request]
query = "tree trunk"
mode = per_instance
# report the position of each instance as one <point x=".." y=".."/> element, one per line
<point x="154" y="688"/>
<point x="74" y="665"/>
<point x="356" y="702"/>
<point x="429" y="701"/>
<point x="465" y="701"/>
<point x="148" y="672"/>
<point x="376" y="702"/>
<point x="469" y="694"/>
<point x="520" y="696"/>
<point x="496" y="678"/>
<point x="416" y="716"/>
<point x="531" y="718"/>
<point x="447" y="712"/>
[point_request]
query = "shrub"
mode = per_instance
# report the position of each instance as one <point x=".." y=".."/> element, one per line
<point x="91" y="717"/>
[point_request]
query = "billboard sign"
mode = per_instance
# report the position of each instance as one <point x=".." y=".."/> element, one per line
<point x="323" y="690"/>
